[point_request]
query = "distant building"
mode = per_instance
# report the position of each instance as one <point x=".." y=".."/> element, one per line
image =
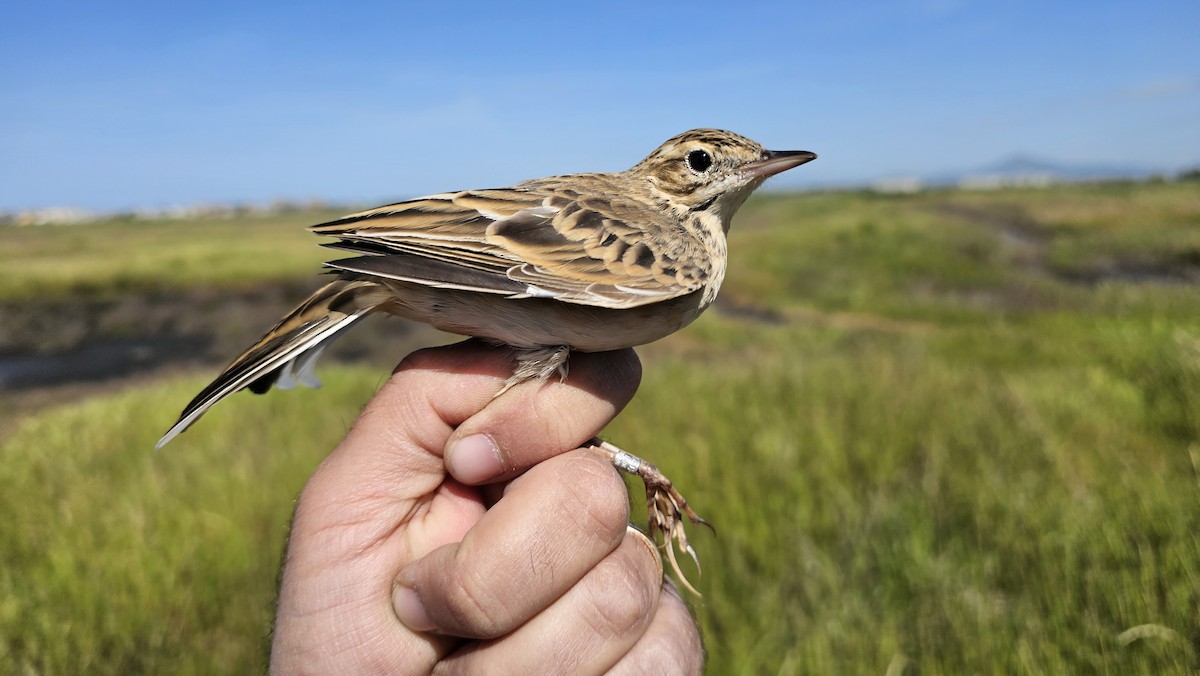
<point x="53" y="215"/>
<point x="997" y="181"/>
<point x="900" y="185"/>
<point x="185" y="211"/>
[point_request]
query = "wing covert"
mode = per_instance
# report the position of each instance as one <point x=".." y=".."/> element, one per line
<point x="522" y="242"/>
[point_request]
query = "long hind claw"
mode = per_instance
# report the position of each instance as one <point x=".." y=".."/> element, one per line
<point x="665" y="507"/>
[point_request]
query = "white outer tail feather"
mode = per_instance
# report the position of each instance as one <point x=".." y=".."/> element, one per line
<point x="298" y="362"/>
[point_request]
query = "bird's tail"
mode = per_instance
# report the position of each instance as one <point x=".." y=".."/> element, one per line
<point x="288" y="352"/>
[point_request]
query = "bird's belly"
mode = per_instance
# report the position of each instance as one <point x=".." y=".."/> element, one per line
<point x="535" y="322"/>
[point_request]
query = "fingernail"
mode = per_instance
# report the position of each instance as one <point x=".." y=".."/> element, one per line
<point x="648" y="544"/>
<point x="409" y="609"/>
<point x="474" y="459"/>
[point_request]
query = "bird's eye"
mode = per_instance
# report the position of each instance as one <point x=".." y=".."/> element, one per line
<point x="699" y="161"/>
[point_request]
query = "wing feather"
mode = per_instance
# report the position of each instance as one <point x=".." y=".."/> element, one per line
<point x="526" y="241"/>
<point x="433" y="272"/>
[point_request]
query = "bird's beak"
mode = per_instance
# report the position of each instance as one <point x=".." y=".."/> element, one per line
<point x="777" y="161"/>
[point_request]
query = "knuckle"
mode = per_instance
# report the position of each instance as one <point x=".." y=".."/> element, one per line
<point x="664" y="656"/>
<point x="620" y="600"/>
<point x="672" y="646"/>
<point x="474" y="608"/>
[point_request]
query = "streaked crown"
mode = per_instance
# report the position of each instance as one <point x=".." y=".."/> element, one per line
<point x="711" y="171"/>
<point x="697" y="164"/>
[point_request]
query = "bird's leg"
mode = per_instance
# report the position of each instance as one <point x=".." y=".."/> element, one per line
<point x="665" y="506"/>
<point x="537" y="363"/>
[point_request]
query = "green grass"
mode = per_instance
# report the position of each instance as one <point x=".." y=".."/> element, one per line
<point x="880" y="498"/>
<point x="123" y="255"/>
<point x="118" y="559"/>
<point x="926" y="445"/>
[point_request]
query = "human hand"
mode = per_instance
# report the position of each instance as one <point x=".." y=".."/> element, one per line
<point x="411" y="552"/>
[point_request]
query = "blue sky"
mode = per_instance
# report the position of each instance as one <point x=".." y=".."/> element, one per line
<point x="115" y="105"/>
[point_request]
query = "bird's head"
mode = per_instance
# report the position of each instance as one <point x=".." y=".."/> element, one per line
<point x="712" y="170"/>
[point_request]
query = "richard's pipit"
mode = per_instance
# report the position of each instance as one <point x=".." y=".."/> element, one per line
<point x="588" y="262"/>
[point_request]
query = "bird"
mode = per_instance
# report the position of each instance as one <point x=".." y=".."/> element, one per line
<point x="586" y="262"/>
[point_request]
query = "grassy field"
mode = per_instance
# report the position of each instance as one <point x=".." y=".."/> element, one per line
<point x="948" y="432"/>
<point x="127" y="255"/>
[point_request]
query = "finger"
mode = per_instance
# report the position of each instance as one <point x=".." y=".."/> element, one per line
<point x="535" y="421"/>
<point x="393" y="451"/>
<point x="379" y="501"/>
<point x="553" y="525"/>
<point x="586" y="631"/>
<point x="388" y="469"/>
<point x="671" y="645"/>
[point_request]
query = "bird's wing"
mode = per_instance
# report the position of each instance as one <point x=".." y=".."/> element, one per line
<point x="525" y="242"/>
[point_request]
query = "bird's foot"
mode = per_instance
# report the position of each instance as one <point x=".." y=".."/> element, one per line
<point x="537" y="363"/>
<point x="665" y="506"/>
